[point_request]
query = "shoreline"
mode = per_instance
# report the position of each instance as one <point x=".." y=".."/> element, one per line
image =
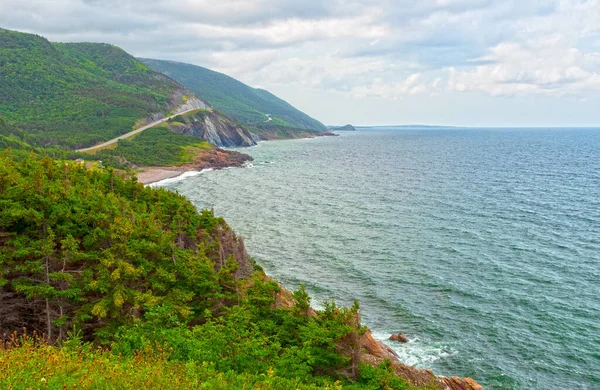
<point x="153" y="175"/>
<point x="374" y="347"/>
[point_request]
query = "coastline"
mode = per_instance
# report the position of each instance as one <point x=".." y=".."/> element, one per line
<point x="374" y="349"/>
<point x="153" y="175"/>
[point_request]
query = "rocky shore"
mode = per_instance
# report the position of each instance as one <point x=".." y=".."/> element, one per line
<point x="215" y="158"/>
<point x="373" y="351"/>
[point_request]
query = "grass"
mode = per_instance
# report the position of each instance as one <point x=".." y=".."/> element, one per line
<point x="159" y="146"/>
<point x="32" y="364"/>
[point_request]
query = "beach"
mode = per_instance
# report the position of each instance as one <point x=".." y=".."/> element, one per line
<point x="156" y="174"/>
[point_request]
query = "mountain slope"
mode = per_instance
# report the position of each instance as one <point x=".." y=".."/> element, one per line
<point x="78" y="94"/>
<point x="248" y="105"/>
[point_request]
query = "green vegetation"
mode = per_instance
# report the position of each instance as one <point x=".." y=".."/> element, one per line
<point x="73" y="95"/>
<point x="271" y="130"/>
<point x="159" y="146"/>
<point x="27" y="364"/>
<point x="92" y="259"/>
<point x="248" y="105"/>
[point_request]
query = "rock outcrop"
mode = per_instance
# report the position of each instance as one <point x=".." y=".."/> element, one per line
<point x="376" y="352"/>
<point x="213" y="127"/>
<point x="217" y="159"/>
<point x="399" y="337"/>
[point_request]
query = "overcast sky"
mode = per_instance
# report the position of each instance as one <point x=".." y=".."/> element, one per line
<point x="446" y="62"/>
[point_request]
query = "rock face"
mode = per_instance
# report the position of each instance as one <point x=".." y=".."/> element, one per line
<point x="217" y="159"/>
<point x="230" y="244"/>
<point x="213" y="127"/>
<point x="376" y="352"/>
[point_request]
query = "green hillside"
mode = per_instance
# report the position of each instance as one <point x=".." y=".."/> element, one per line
<point x="157" y="146"/>
<point x="76" y="94"/>
<point x="248" y="105"/>
<point x="89" y="259"/>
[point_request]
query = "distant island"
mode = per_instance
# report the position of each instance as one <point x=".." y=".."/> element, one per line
<point x="406" y="127"/>
<point x="342" y="128"/>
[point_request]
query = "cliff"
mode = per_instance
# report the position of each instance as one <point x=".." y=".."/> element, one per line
<point x="141" y="270"/>
<point x="374" y="353"/>
<point x="213" y="127"/>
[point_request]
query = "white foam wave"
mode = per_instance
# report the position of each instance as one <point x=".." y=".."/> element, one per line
<point x="416" y="352"/>
<point x="181" y="177"/>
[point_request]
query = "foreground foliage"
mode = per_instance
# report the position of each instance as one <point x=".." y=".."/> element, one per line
<point x="90" y="259"/>
<point x="31" y="364"/>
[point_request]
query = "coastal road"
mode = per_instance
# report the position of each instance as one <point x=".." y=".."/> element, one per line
<point x="131" y="133"/>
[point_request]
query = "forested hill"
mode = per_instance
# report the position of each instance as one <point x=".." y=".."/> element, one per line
<point x="248" y="105"/>
<point x="170" y="293"/>
<point x="77" y="94"/>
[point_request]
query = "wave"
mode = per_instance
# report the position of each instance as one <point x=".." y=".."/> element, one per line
<point x="416" y="352"/>
<point x="179" y="178"/>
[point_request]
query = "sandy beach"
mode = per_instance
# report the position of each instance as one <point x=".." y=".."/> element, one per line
<point x="152" y="175"/>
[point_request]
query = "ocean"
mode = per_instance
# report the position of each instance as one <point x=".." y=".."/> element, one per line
<point x="481" y="245"/>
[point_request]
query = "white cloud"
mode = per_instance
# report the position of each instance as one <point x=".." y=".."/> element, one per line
<point x="360" y="49"/>
<point x="412" y="85"/>
<point x="544" y="66"/>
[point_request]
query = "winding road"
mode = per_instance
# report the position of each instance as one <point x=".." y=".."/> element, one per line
<point x="131" y="133"/>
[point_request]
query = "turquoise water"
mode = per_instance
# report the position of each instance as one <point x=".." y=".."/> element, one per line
<point x="483" y="246"/>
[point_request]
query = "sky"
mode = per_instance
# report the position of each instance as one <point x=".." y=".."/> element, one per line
<point x="365" y="62"/>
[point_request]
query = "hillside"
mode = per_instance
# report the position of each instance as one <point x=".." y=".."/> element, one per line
<point x="89" y="256"/>
<point x="157" y="146"/>
<point x="73" y="95"/>
<point x="248" y="105"/>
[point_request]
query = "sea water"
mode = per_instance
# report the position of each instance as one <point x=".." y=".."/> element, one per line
<point x="481" y="245"/>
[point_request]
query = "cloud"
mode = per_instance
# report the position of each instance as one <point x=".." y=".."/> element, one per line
<point x="390" y="49"/>
<point x="536" y="67"/>
<point x="540" y="59"/>
<point x="412" y="85"/>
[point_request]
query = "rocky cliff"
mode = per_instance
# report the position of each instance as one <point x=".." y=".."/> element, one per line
<point x="213" y="127"/>
<point x="372" y="351"/>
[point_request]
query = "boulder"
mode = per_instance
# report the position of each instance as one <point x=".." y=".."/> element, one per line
<point x="399" y="337"/>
